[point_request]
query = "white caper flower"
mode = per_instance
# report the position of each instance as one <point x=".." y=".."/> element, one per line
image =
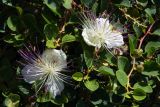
<point x="46" y="68"/>
<point x="99" y="32"/>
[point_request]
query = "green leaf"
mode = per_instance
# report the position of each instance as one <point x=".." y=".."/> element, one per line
<point x="137" y="30"/>
<point x="151" y="48"/>
<point x="92" y="85"/>
<point x="30" y="22"/>
<point x="67" y="4"/>
<point x="88" y="3"/>
<point x="94" y="7"/>
<point x="50" y="31"/>
<point x="151" y="69"/>
<point x="149" y="13"/>
<point x="105" y="70"/>
<point x="80" y="103"/>
<point x="109" y="58"/>
<point x="103" y="4"/>
<point x="142" y="2"/>
<point x="156" y="32"/>
<point x="14" y="23"/>
<point x="44" y="97"/>
<point x="7" y="2"/>
<point x="123" y="63"/>
<point x="78" y="76"/>
<point x="132" y="43"/>
<point x="52" y="6"/>
<point x="50" y="44"/>
<point x="12" y="100"/>
<point x="139" y="94"/>
<point x="15" y="39"/>
<point x="125" y="3"/>
<point x="145" y="87"/>
<point x="151" y="73"/>
<point x="23" y="90"/>
<point x="19" y="9"/>
<point x="9" y="39"/>
<point x="88" y="55"/>
<point x="158" y="59"/>
<point x="59" y="100"/>
<point x="122" y="77"/>
<point x="68" y="38"/>
<point x="19" y="37"/>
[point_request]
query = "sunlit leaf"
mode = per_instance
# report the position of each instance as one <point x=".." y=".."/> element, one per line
<point x="68" y="38"/>
<point x="151" y="48"/>
<point x="139" y="94"/>
<point x="78" y="76"/>
<point x="142" y="2"/>
<point x="12" y="100"/>
<point x="122" y="77"/>
<point x="123" y="63"/>
<point x="92" y="85"/>
<point x="156" y="32"/>
<point x="88" y="56"/>
<point x="125" y="3"/>
<point x="106" y="70"/>
<point x="145" y="87"/>
<point x="13" y="23"/>
<point x="53" y="6"/>
<point x="59" y="100"/>
<point x="50" y="31"/>
<point x="132" y="43"/>
<point x="67" y="4"/>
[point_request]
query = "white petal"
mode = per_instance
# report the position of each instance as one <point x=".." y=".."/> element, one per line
<point x="54" y="56"/>
<point x="31" y="73"/>
<point x="90" y="37"/>
<point x="54" y="85"/>
<point x="102" y="24"/>
<point x="114" y="39"/>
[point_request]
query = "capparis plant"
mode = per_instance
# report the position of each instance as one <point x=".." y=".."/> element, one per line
<point x="80" y="53"/>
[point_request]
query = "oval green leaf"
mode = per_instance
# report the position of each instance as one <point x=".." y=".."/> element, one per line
<point x="13" y="23"/>
<point x="122" y="63"/>
<point x="68" y="38"/>
<point x="78" y="76"/>
<point x="92" y="85"/>
<point x="139" y="94"/>
<point x="152" y="47"/>
<point x="105" y="70"/>
<point x="53" y="6"/>
<point x="122" y="77"/>
<point x="145" y="87"/>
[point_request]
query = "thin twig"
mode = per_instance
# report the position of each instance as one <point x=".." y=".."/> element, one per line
<point x="131" y="71"/>
<point x="142" y="39"/>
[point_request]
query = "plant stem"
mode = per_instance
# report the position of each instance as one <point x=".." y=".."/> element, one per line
<point x="134" y="59"/>
<point x="131" y="71"/>
<point x="147" y="32"/>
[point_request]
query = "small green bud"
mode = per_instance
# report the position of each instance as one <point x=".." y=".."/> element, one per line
<point x="75" y="30"/>
<point x="140" y="67"/>
<point x="137" y="52"/>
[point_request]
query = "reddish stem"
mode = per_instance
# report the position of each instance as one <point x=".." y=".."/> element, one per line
<point x="146" y="33"/>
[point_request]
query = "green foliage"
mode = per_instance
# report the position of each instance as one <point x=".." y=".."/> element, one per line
<point x="122" y="77"/>
<point x="12" y="100"/>
<point x="92" y="85"/>
<point x="50" y="32"/>
<point x="68" y="38"/>
<point x="152" y="47"/>
<point x="139" y="94"/>
<point x="126" y="76"/>
<point x="78" y="76"/>
<point x="106" y="71"/>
